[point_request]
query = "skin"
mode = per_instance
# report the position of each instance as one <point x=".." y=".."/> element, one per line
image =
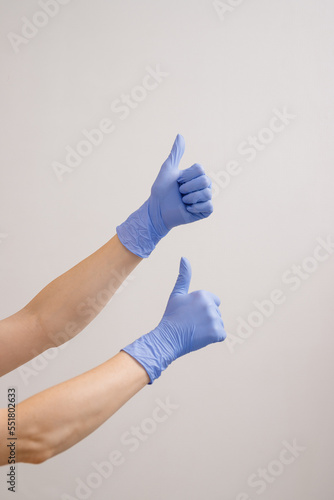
<point x="53" y="420"/>
<point x="57" y="418"/>
<point x="59" y="311"/>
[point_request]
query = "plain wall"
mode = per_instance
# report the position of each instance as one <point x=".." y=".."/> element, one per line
<point x="228" y="75"/>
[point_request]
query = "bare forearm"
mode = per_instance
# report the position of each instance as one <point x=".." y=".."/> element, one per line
<point x="65" y="306"/>
<point x="57" y="418"/>
<point x="78" y="295"/>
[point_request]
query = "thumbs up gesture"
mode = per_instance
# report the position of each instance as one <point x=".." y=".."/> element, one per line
<point x="191" y="321"/>
<point x="177" y="197"/>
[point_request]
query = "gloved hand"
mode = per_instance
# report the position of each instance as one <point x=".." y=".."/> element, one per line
<point x="177" y="197"/>
<point x="191" y="321"/>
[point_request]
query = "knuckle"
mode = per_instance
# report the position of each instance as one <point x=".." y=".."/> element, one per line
<point x="199" y="169"/>
<point x="200" y="296"/>
<point x="207" y="181"/>
<point x="218" y="326"/>
<point x="208" y="314"/>
<point x="221" y="335"/>
<point x="218" y="331"/>
<point x="211" y="317"/>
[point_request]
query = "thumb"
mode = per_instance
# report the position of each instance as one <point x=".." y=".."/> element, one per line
<point x="183" y="280"/>
<point x="176" y="153"/>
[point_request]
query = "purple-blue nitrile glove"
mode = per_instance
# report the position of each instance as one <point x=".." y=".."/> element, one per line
<point x="177" y="197"/>
<point x="191" y="321"/>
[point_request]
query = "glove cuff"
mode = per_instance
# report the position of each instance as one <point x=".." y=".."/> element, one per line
<point x="151" y="353"/>
<point x="137" y="233"/>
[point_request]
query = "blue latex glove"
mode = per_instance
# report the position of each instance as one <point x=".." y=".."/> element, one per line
<point x="191" y="321"/>
<point x="177" y="197"/>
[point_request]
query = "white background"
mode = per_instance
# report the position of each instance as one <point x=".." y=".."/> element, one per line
<point x="226" y="76"/>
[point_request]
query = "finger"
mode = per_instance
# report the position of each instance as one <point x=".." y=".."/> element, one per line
<point x="215" y="298"/>
<point x="215" y="308"/>
<point x="219" y="331"/>
<point x="223" y="335"/>
<point x="191" y="173"/>
<point x="183" y="280"/>
<point x="205" y="208"/>
<point x="201" y="182"/>
<point x="197" y="196"/>
<point x="176" y="153"/>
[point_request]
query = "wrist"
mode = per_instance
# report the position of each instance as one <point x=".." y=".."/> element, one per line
<point x="155" y="215"/>
<point x="153" y="352"/>
<point x="138" y="234"/>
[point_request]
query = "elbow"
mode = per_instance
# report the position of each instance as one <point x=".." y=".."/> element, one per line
<point x="35" y="450"/>
<point x="39" y="452"/>
<point x="30" y="452"/>
<point x="31" y="446"/>
<point x="37" y="457"/>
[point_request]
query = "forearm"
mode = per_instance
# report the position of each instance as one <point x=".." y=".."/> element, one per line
<point x="65" y="306"/>
<point x="68" y="304"/>
<point x="81" y="293"/>
<point x="54" y="420"/>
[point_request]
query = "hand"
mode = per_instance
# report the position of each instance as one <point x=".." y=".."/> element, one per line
<point x="191" y="321"/>
<point x="177" y="197"/>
